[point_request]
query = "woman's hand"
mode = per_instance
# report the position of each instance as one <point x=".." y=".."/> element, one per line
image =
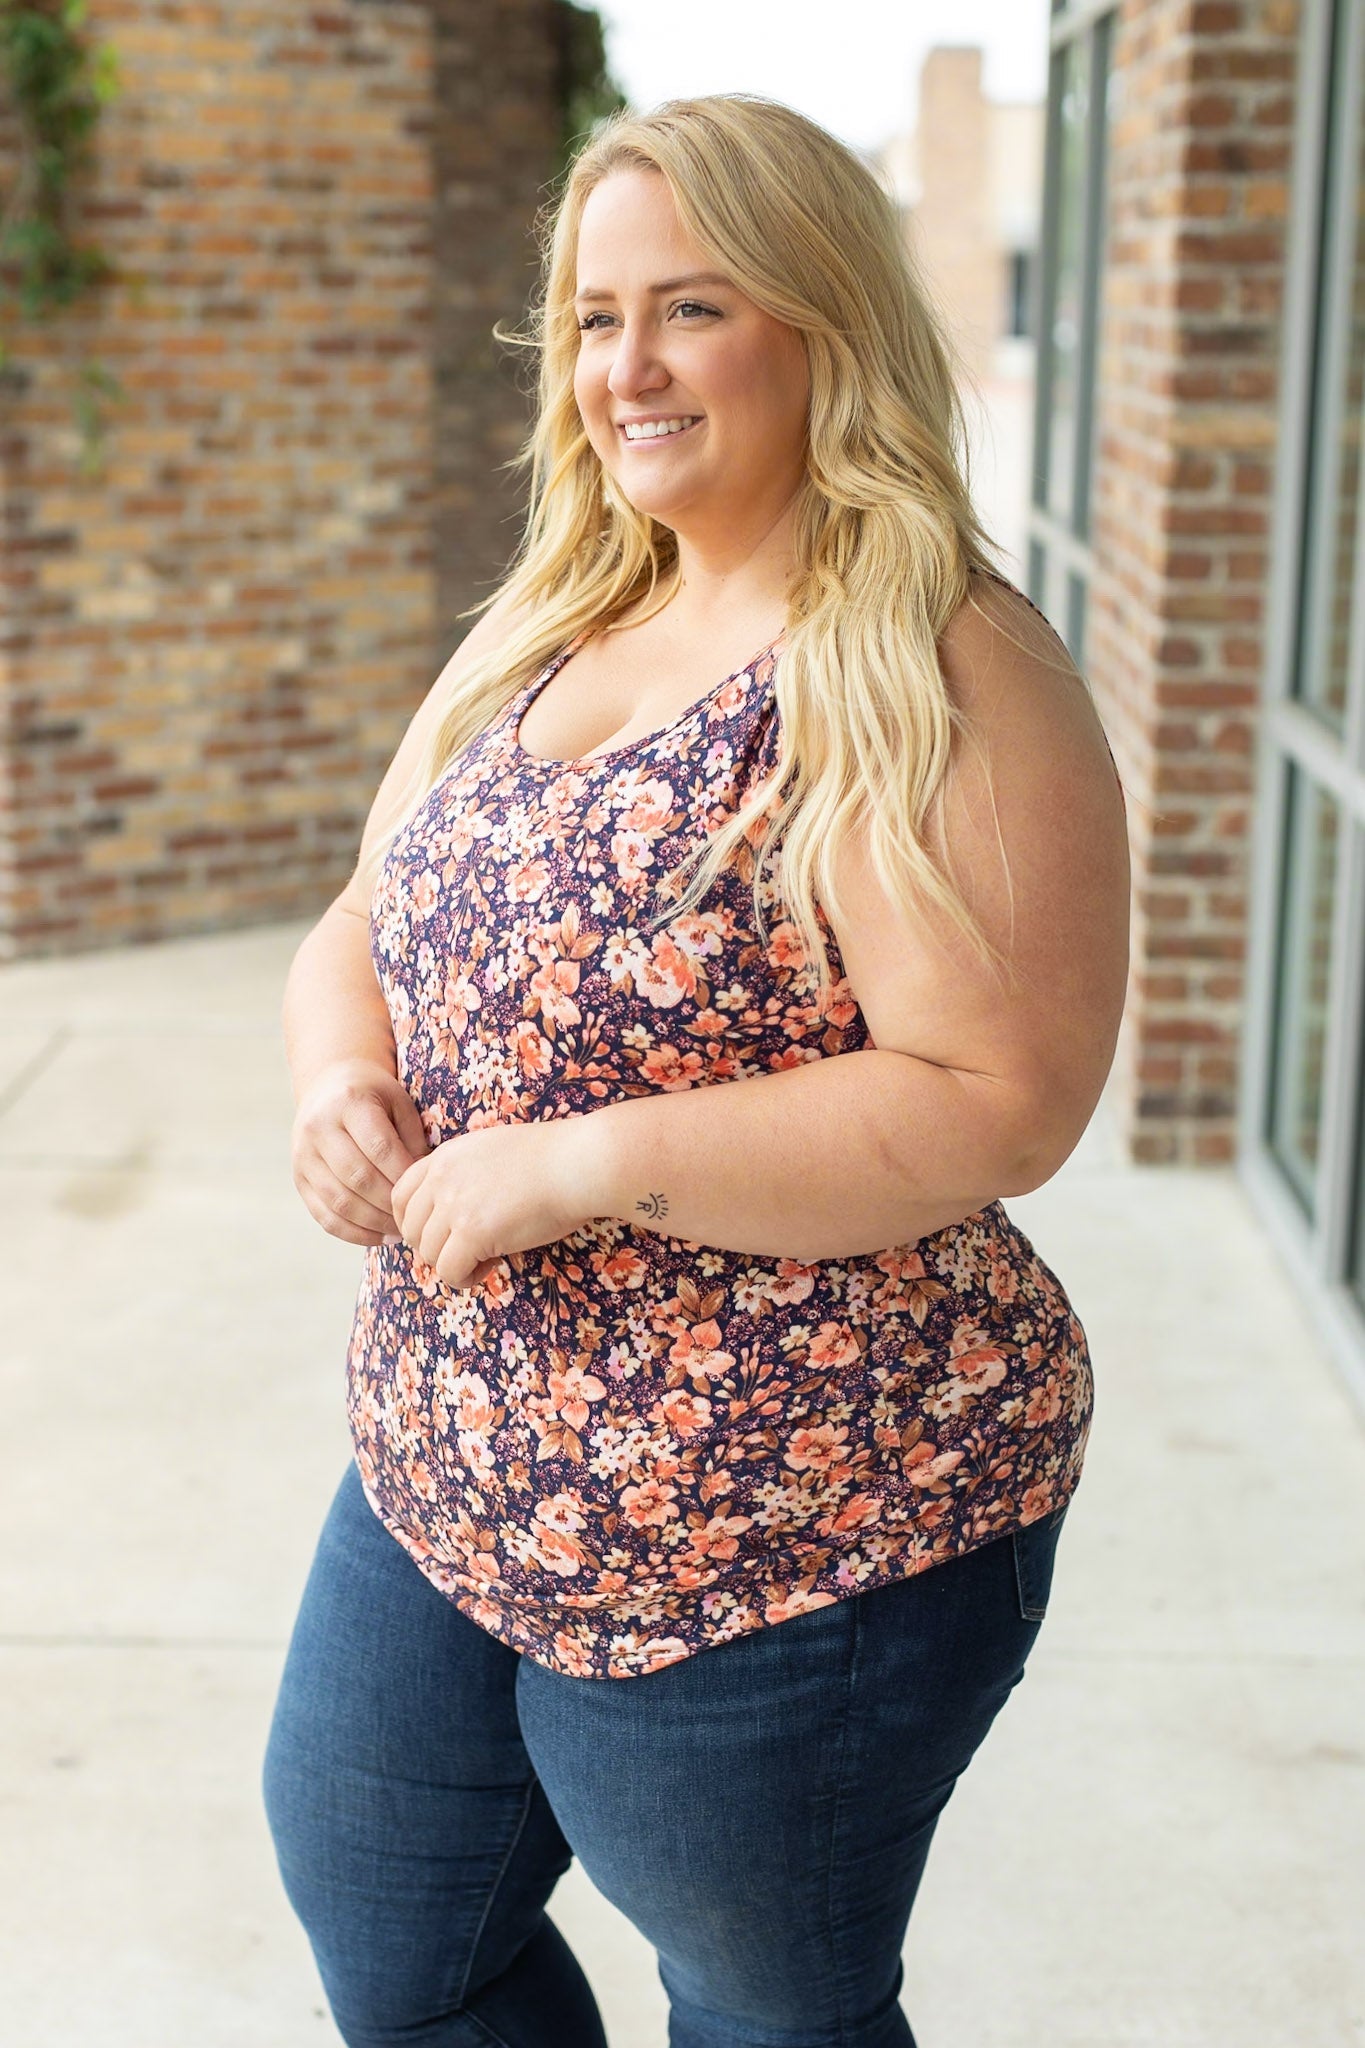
<point x="499" y="1189"/>
<point x="356" y="1131"/>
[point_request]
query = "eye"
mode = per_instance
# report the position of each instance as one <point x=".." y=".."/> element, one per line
<point x="587" y="327"/>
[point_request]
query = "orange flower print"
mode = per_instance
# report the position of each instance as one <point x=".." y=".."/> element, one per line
<point x="698" y="1351"/>
<point x="535" y="1055"/>
<point x="425" y="892"/>
<point x="709" y="1024"/>
<point x="468" y="827"/>
<point x="792" y="1282"/>
<point x="473" y="1402"/>
<point x="665" y="975"/>
<point x="842" y="1007"/>
<point x="791" y="1056"/>
<point x="785" y="949"/>
<point x="498" y="1286"/>
<point x="572" y="1656"/>
<point x="423" y="1484"/>
<point x="650" y="1504"/>
<point x="720" y="1536"/>
<point x="1002" y="1279"/>
<point x="701" y="935"/>
<point x="1044" y="1404"/>
<point x="562" y="1511"/>
<point x="834" y="1345"/>
<point x="854" y="1514"/>
<point x="560" y="1551"/>
<point x="527" y="883"/>
<point x="816" y="1450"/>
<point x="685" y="1414"/>
<point x="407" y="1377"/>
<point x="934" y="1513"/>
<point x="650" y="811"/>
<point x="666" y="1067"/>
<point x="927" y="1468"/>
<point x="459" y="999"/>
<point x="621" y="1269"/>
<point x="973" y="1374"/>
<point x="553" y="987"/>
<point x="783" y="1605"/>
<point x="570" y="1392"/>
<point x="631" y="851"/>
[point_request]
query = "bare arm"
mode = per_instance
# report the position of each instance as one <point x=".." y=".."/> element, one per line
<point x="356" y="1129"/>
<point x="972" y="1092"/>
<point x="334" y="1008"/>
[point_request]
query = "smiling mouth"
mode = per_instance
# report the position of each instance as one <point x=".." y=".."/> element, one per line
<point x="655" y="440"/>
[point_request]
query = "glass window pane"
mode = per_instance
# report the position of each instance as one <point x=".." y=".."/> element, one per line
<point x="1036" y="584"/>
<point x="1357" y="1272"/>
<point x="1075" y="618"/>
<point x="1312" y="832"/>
<point x="1064" y="340"/>
<point x="1322" y="672"/>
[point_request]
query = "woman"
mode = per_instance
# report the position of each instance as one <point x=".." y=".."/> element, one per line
<point x="712" y="1442"/>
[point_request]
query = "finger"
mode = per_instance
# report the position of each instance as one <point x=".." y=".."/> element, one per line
<point x="410" y="1128"/>
<point x="339" y="1159"/>
<point x="335" y="1224"/>
<point x="385" y="1132"/>
<point x="452" y="1265"/>
<point x="406" y="1186"/>
<point x="341" y="1199"/>
<point x="418" y="1217"/>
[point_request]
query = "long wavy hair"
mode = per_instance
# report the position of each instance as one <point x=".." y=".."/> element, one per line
<point x="884" y="532"/>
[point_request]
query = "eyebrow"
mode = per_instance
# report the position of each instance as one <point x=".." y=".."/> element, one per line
<point x="667" y="284"/>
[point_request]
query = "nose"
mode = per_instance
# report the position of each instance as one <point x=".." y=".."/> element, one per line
<point x="635" y="367"/>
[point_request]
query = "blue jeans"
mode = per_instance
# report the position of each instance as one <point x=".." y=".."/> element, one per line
<point x="761" y="1811"/>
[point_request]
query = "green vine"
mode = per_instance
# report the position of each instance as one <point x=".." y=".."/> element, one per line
<point x="586" y="91"/>
<point x="57" y="87"/>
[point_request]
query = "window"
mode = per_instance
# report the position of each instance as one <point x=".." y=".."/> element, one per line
<point x="1303" y="1119"/>
<point x="1079" y="82"/>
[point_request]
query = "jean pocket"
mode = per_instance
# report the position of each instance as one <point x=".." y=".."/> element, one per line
<point x="1035" y="1551"/>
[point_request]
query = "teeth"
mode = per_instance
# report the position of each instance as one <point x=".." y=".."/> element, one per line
<point x="653" y="430"/>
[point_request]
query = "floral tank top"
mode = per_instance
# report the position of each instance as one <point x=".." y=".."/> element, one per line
<point x="623" y="1447"/>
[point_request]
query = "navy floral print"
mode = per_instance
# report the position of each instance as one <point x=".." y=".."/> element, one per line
<point x="624" y="1447"/>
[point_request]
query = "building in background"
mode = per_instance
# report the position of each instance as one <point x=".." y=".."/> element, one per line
<point x="968" y="178"/>
<point x="208" y="658"/>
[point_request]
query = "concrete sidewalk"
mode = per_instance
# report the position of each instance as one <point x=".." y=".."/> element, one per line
<point x="1160" y="1842"/>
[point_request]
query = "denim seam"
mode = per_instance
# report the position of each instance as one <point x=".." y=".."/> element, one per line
<point x="488" y="1907"/>
<point x="836" y="1816"/>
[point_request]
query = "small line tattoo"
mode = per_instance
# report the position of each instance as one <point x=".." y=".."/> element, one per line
<point x="656" y="1205"/>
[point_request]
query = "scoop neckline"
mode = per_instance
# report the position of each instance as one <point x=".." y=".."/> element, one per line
<point x="627" y="746"/>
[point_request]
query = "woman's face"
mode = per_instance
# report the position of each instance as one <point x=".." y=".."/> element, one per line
<point x="699" y="351"/>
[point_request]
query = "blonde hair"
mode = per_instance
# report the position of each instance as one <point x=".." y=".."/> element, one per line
<point x="883" y="527"/>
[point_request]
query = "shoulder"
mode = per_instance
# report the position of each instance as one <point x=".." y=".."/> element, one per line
<point x="1009" y="673"/>
<point x="1030" y="763"/>
<point x="1029" y="825"/>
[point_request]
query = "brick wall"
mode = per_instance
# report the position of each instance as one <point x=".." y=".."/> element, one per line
<point x="1200" y="158"/>
<point x="211" y="650"/>
<point x="495" y="140"/>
